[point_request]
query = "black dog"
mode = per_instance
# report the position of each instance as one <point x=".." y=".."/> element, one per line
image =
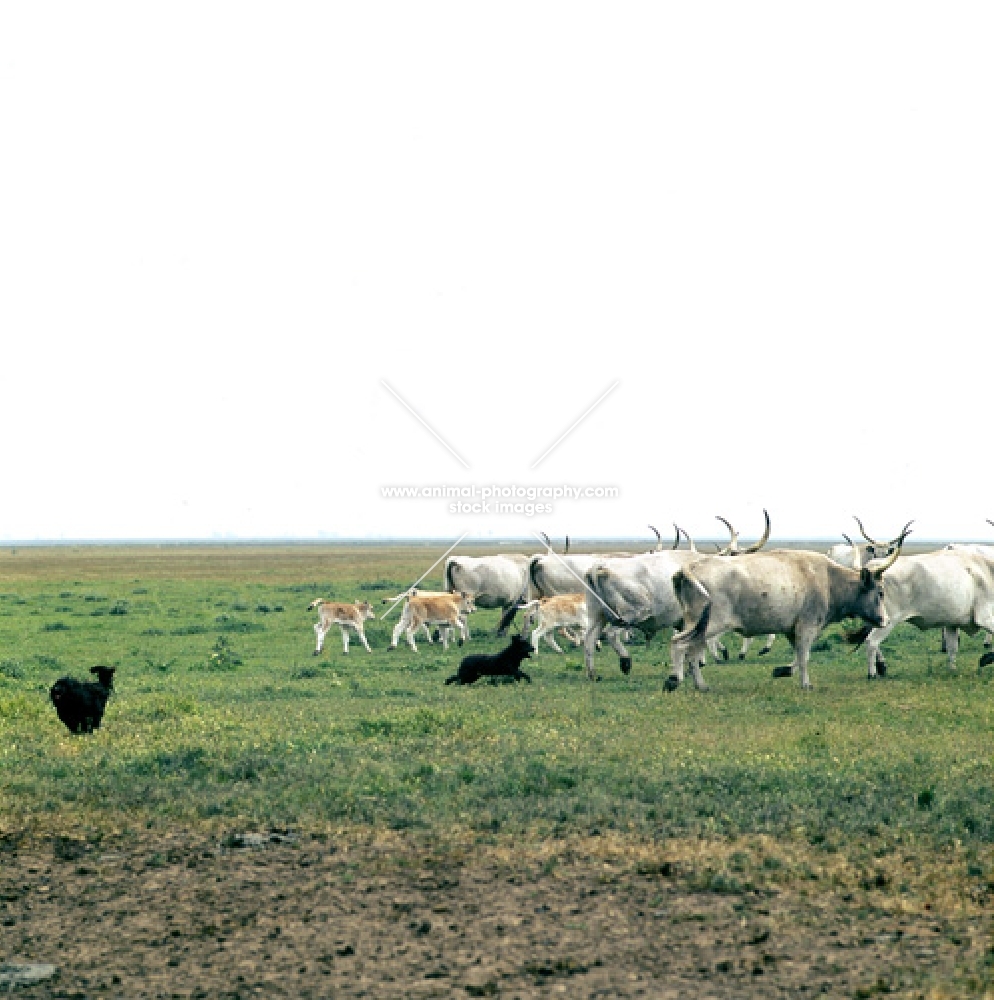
<point x="506" y="663"/>
<point x="80" y="704"/>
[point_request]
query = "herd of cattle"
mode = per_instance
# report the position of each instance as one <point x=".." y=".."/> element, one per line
<point x="749" y="590"/>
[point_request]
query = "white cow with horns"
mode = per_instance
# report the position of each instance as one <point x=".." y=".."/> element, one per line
<point x="794" y="593"/>
<point x="950" y="589"/>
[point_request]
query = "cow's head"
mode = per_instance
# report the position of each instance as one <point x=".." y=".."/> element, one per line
<point x="365" y="610"/>
<point x="880" y="550"/>
<point x="466" y="605"/>
<point x="870" y="601"/>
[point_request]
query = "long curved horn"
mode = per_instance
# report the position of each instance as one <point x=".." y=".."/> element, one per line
<point x="733" y="546"/>
<point x="872" y="541"/>
<point x="849" y="541"/>
<point x="766" y="537"/>
<point x="659" y="538"/>
<point x="690" y="541"/>
<point x="548" y="541"/>
<point x="566" y="550"/>
<point x="878" y="571"/>
<point x="990" y="522"/>
<point x="903" y="534"/>
<point x="676" y="541"/>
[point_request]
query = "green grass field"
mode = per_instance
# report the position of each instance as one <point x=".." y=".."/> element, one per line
<point x="270" y="735"/>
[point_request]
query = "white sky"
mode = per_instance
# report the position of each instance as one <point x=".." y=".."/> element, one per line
<point x="222" y="225"/>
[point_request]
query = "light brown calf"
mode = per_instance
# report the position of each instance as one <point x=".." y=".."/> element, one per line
<point x="344" y="615"/>
<point x="550" y="613"/>
<point x="423" y="608"/>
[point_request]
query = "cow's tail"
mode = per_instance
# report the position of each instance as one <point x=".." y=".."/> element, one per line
<point x="692" y="594"/>
<point x="594" y="578"/>
<point x="858" y="637"/>
<point x="533" y="583"/>
<point x="507" y="617"/>
<point x="447" y="583"/>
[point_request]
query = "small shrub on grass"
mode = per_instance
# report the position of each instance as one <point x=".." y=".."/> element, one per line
<point x="12" y="669"/>
<point x="304" y="673"/>
<point x="119" y="608"/>
<point x="55" y="627"/>
<point x="222" y="656"/>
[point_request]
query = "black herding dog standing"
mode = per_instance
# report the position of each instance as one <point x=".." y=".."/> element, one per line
<point x="80" y="704"/>
<point x="506" y="663"/>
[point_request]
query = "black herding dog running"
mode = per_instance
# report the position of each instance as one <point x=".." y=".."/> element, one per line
<point x="506" y="663"/>
<point x="80" y="704"/>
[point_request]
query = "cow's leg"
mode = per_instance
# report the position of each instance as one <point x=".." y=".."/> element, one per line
<point x="319" y="631"/>
<point x="590" y="641"/>
<point x="744" y="648"/>
<point x="549" y="634"/>
<point x="717" y="649"/>
<point x="696" y="655"/>
<point x="803" y="641"/>
<point x="397" y="630"/>
<point x="345" y="638"/>
<point x="874" y="659"/>
<point x="950" y="645"/>
<point x="614" y="637"/>
<point x="362" y="637"/>
<point x="768" y="645"/>
<point x="463" y="630"/>
<point x="678" y="657"/>
<point x="789" y="670"/>
<point x="444" y="632"/>
<point x="409" y="632"/>
<point x="984" y="617"/>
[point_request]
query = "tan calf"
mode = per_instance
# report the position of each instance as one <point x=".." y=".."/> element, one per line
<point x="344" y="615"/>
<point x="550" y="613"/>
<point x="426" y="608"/>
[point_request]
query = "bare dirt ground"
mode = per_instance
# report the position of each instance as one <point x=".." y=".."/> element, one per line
<point x="190" y="915"/>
